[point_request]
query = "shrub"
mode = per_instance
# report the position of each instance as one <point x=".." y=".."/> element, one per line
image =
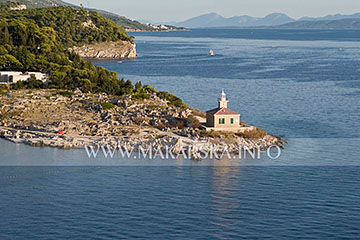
<point x="160" y="126"/>
<point x="135" y="131"/>
<point x="65" y="93"/>
<point x="149" y="89"/>
<point x="172" y="99"/>
<point x="211" y="134"/>
<point x="242" y="123"/>
<point x="194" y="122"/>
<point x="255" y="133"/>
<point x="198" y="112"/>
<point x="138" y="119"/>
<point x="180" y="123"/>
<point x="140" y="96"/>
<point x="217" y="134"/>
<point x="107" y="105"/>
<point x="143" y="92"/>
<point x="4" y="87"/>
<point x="7" y="115"/>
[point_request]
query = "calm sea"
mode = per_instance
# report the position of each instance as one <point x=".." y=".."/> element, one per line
<point x="302" y="85"/>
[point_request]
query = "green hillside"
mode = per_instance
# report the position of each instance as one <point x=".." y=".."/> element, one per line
<point x="40" y="3"/>
<point x="120" y="20"/>
<point x="71" y="26"/>
<point x="38" y="39"/>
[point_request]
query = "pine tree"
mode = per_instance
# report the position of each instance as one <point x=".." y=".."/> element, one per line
<point x="6" y="36"/>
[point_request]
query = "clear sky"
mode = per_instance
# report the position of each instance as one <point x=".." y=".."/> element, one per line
<point x="178" y="10"/>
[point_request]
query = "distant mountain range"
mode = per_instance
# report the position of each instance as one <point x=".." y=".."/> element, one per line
<point x="331" y="17"/>
<point x="342" y="24"/>
<point x="214" y="20"/>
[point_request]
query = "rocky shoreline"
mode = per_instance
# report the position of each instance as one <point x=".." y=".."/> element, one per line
<point x="168" y="30"/>
<point x="107" y="50"/>
<point x="46" y="118"/>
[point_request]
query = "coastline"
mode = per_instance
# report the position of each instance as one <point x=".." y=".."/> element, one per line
<point x="107" y="50"/>
<point x="45" y="118"/>
<point x="170" y="30"/>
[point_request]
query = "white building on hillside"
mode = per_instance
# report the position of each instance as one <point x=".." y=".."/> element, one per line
<point x="8" y="77"/>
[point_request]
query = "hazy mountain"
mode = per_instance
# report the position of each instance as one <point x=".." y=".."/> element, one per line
<point x="273" y="19"/>
<point x="341" y="24"/>
<point x="211" y="19"/>
<point x="216" y="20"/>
<point x="331" y="17"/>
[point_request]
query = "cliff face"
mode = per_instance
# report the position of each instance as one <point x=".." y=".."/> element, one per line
<point x="119" y="49"/>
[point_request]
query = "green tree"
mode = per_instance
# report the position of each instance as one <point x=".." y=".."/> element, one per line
<point x="9" y="62"/>
<point x="3" y="50"/>
<point x="4" y="33"/>
<point x="138" y="87"/>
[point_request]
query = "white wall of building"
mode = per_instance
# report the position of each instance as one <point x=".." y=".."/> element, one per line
<point x="14" y="77"/>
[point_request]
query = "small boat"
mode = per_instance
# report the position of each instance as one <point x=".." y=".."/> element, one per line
<point x="211" y="53"/>
<point x="119" y="62"/>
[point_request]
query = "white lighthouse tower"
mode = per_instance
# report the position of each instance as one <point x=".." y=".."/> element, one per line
<point x="223" y="101"/>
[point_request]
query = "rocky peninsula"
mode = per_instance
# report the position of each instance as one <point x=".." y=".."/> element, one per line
<point x="74" y="119"/>
<point x="107" y="50"/>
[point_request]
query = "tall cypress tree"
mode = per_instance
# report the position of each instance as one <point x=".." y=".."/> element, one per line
<point x="4" y="34"/>
<point x="6" y="37"/>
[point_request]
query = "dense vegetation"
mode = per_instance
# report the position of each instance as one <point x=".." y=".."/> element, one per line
<point x="119" y="20"/>
<point x="39" y="39"/>
<point x="71" y="26"/>
<point x="40" y="3"/>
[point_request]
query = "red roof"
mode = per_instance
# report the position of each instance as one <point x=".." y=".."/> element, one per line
<point x="222" y="111"/>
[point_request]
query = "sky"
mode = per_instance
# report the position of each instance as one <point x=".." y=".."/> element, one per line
<point x="179" y="10"/>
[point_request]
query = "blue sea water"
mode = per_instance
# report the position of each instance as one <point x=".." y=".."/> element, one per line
<point x="294" y="88"/>
<point x="302" y="85"/>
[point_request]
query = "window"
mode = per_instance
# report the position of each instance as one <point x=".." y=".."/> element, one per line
<point x="232" y="121"/>
<point x="221" y="120"/>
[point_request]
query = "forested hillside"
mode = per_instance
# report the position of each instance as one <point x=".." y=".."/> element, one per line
<point x="71" y="26"/>
<point x="38" y="39"/>
<point x="119" y="20"/>
<point x="39" y="3"/>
